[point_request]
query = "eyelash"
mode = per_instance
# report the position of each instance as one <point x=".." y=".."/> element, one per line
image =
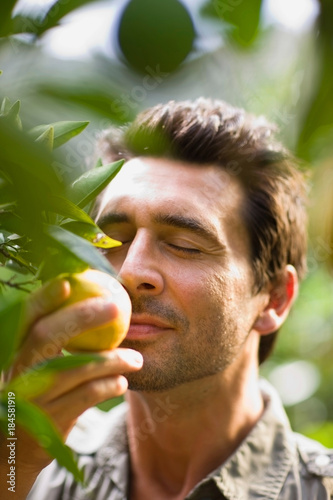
<point x="175" y="247"/>
<point x="184" y="249"/>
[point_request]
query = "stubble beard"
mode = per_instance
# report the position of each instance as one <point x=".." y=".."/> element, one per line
<point x="187" y="355"/>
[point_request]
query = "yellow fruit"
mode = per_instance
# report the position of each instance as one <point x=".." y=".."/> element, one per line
<point x="92" y="283"/>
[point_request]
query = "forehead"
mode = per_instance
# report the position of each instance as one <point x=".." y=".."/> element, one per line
<point x="163" y="184"/>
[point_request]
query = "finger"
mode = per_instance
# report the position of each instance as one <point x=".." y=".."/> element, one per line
<point x="65" y="411"/>
<point x="71" y="405"/>
<point x="50" y="334"/>
<point x="117" y="361"/>
<point x="46" y="299"/>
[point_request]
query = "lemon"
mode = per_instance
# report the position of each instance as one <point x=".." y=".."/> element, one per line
<point x="92" y="283"/>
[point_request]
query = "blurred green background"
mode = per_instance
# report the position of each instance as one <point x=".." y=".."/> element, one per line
<point x="104" y="61"/>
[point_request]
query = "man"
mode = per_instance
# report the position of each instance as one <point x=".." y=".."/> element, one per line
<point x="210" y="211"/>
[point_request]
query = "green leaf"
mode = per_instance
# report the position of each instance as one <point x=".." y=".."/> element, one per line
<point x="41" y="377"/>
<point x="22" y="279"/>
<point x="88" y="208"/>
<point x="63" y="131"/>
<point x="243" y="19"/>
<point x="71" y="361"/>
<point x="7" y="194"/>
<point x="5" y="106"/>
<point x="315" y="140"/>
<point x="16" y="256"/>
<point x="57" y="261"/>
<point x="6" y="8"/>
<point x="46" y="138"/>
<point x="80" y="248"/>
<point x="23" y="270"/>
<point x="11" y="112"/>
<point x="24" y="162"/>
<point x="99" y="163"/>
<point x="40" y="426"/>
<point x="96" y="95"/>
<point x="65" y="207"/>
<point x="31" y="384"/>
<point x="92" y="233"/>
<point x="51" y="19"/>
<point x="91" y="183"/>
<point x="25" y="23"/>
<point x="11" y="320"/>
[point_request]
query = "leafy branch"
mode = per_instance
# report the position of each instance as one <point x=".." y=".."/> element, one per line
<point x="18" y="286"/>
<point x="45" y="230"/>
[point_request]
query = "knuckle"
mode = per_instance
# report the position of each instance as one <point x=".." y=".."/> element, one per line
<point x="96" y="390"/>
<point x="118" y="361"/>
<point x="85" y="312"/>
<point x="102" y="389"/>
<point x="115" y="358"/>
<point x="120" y="387"/>
<point x="38" y="333"/>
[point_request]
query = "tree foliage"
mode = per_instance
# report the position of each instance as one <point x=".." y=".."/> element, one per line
<point x="45" y="230"/>
<point x="45" y="226"/>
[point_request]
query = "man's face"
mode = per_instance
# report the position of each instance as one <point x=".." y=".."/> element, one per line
<point x="185" y="261"/>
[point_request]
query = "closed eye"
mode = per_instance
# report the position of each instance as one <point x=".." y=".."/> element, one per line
<point x="184" y="249"/>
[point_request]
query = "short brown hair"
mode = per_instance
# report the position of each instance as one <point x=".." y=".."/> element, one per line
<point x="209" y="131"/>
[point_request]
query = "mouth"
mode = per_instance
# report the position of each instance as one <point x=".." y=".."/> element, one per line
<point x="146" y="326"/>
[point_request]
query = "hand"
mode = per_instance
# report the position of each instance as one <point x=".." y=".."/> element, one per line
<point x="47" y="328"/>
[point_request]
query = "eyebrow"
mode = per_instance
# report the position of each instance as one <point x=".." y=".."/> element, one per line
<point x="188" y="223"/>
<point x="173" y="220"/>
<point x="112" y="218"/>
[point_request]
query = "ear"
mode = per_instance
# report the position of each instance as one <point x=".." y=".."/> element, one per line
<point x="281" y="298"/>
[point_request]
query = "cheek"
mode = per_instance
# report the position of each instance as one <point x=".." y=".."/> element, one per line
<point x="218" y="297"/>
<point x="223" y="295"/>
<point x="214" y="298"/>
<point x="201" y="295"/>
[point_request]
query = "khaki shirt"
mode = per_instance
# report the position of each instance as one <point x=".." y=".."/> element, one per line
<point x="272" y="463"/>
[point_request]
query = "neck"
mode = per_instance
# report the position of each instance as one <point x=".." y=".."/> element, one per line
<point x="177" y="437"/>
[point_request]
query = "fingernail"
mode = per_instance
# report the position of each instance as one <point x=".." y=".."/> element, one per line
<point x="58" y="286"/>
<point x="134" y="357"/>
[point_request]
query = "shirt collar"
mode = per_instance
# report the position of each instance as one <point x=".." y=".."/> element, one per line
<point x="257" y="469"/>
<point x="260" y="465"/>
<point x="104" y="435"/>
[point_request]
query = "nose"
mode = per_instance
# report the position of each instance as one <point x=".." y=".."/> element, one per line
<point x="140" y="271"/>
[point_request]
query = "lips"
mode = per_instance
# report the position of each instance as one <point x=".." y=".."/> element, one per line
<point x="146" y="326"/>
<point x="148" y="320"/>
